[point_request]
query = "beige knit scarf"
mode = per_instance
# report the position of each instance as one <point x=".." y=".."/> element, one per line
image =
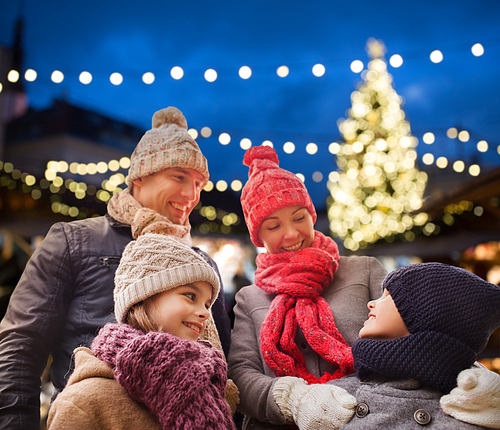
<point x="124" y="208"/>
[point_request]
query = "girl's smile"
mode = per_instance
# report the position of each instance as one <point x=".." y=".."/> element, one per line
<point x="182" y="311"/>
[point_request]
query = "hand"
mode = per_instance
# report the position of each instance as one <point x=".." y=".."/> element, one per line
<point x="476" y="399"/>
<point x="313" y="407"/>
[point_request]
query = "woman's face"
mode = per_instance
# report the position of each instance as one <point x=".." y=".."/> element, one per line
<point x="384" y="321"/>
<point x="182" y="311"/>
<point x="287" y="230"/>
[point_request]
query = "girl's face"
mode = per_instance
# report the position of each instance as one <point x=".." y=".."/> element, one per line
<point x="182" y="311"/>
<point x="287" y="230"/>
<point x="384" y="321"/>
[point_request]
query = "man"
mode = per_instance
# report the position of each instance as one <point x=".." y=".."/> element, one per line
<point x="66" y="292"/>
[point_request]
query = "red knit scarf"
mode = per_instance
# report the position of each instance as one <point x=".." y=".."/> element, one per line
<point x="298" y="279"/>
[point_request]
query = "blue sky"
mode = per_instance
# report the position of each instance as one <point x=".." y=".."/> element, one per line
<point x="133" y="37"/>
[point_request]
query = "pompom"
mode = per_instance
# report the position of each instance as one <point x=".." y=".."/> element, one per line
<point x="467" y="379"/>
<point x="170" y="115"/>
<point x="260" y="153"/>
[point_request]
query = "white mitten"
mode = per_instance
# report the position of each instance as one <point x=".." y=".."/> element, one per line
<point x="313" y="407"/>
<point x="476" y="399"/>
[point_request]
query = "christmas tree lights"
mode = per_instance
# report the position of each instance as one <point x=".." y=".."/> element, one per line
<point x="379" y="186"/>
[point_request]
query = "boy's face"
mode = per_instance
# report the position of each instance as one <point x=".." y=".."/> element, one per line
<point x="287" y="230"/>
<point x="384" y="321"/>
<point x="182" y="311"/>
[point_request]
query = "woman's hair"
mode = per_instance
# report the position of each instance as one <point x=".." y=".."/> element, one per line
<point x="138" y="318"/>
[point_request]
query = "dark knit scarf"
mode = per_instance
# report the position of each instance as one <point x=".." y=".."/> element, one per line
<point x="298" y="279"/>
<point x="433" y="359"/>
<point x="181" y="382"/>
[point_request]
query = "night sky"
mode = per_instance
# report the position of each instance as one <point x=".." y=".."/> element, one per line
<point x="134" y="37"/>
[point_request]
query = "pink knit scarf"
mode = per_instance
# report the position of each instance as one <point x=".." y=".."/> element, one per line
<point x="298" y="279"/>
<point x="181" y="382"/>
<point x="124" y="208"/>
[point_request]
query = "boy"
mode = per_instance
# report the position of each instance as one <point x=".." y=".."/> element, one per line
<point x="429" y="325"/>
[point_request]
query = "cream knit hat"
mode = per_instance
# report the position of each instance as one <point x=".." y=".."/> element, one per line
<point x="155" y="263"/>
<point x="167" y="144"/>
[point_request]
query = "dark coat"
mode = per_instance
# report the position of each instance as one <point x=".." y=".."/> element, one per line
<point x="62" y="299"/>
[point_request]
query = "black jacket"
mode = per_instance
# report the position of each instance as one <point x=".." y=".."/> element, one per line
<point x="63" y="298"/>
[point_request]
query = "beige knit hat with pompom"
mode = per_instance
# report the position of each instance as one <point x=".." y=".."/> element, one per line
<point x="155" y="263"/>
<point x="167" y="144"/>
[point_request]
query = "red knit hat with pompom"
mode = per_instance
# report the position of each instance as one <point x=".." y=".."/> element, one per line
<point x="268" y="189"/>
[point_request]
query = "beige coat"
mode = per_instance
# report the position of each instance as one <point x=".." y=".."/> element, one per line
<point x="357" y="281"/>
<point x="93" y="400"/>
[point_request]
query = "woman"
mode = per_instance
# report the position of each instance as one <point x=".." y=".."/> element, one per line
<point x="307" y="304"/>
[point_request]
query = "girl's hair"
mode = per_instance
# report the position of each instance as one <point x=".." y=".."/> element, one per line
<point x="138" y="318"/>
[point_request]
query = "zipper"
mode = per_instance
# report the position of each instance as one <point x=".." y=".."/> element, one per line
<point x="106" y="261"/>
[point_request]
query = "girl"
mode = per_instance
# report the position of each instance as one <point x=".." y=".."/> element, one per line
<point x="150" y="371"/>
<point x="308" y="303"/>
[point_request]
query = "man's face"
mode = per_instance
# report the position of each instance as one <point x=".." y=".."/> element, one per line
<point x="173" y="192"/>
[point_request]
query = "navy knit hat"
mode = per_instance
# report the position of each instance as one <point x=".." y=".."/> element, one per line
<point x="446" y="299"/>
<point x="450" y="314"/>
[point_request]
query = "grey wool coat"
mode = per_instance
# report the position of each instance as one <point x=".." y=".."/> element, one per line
<point x="357" y="281"/>
<point x="397" y="405"/>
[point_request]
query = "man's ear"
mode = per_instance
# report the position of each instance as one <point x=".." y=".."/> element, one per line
<point x="137" y="182"/>
<point x="136" y="186"/>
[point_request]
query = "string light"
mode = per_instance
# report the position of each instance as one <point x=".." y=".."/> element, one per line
<point x="210" y="75"/>
<point x="148" y="78"/>
<point x="289" y="148"/>
<point x="311" y="148"/>
<point x="224" y="138"/>
<point x="477" y="50"/>
<point x="177" y="73"/>
<point x="244" y="72"/>
<point x="111" y="185"/>
<point x="428" y="138"/>
<point x="482" y="146"/>
<point x="463" y="136"/>
<point x="116" y="78"/>
<point x="357" y="66"/>
<point x="13" y="76"/>
<point x="245" y="143"/>
<point x="396" y="61"/>
<point x="30" y="75"/>
<point x="57" y="77"/>
<point x="85" y="78"/>
<point x="318" y="70"/>
<point x="436" y="56"/>
<point x="282" y="71"/>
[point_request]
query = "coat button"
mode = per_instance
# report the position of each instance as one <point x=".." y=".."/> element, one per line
<point x="422" y="417"/>
<point x="362" y="410"/>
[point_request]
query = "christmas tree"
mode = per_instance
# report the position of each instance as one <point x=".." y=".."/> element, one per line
<point x="378" y="185"/>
